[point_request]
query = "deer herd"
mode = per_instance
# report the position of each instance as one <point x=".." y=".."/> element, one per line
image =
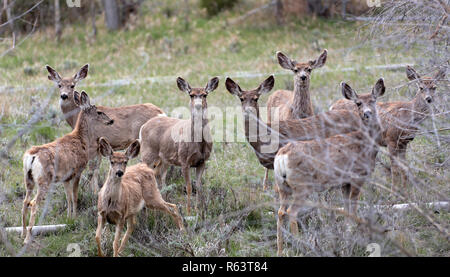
<point x="336" y="148"/>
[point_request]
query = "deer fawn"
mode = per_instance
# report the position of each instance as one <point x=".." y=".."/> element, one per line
<point x="347" y="160"/>
<point x="400" y="120"/>
<point x="128" y="119"/>
<point x="125" y="192"/>
<point x="186" y="143"/>
<point x="62" y="160"/>
<point x="322" y="125"/>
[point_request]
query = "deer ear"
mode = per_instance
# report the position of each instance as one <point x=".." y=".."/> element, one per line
<point x="440" y="75"/>
<point x="81" y="74"/>
<point x="348" y="92"/>
<point x="233" y="87"/>
<point x="104" y="147"/>
<point x="54" y="76"/>
<point x="411" y="73"/>
<point x="183" y="85"/>
<point x="85" y="101"/>
<point x="212" y="84"/>
<point x="285" y="61"/>
<point x="76" y="98"/>
<point x="133" y="149"/>
<point x="379" y="89"/>
<point x="266" y="85"/>
<point x="320" y="60"/>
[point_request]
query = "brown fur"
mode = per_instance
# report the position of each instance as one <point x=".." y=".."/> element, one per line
<point x="346" y="160"/>
<point x="122" y="197"/>
<point x="296" y="104"/>
<point x="128" y="119"/>
<point x="62" y="160"/>
<point x="400" y="121"/>
<point x="319" y="126"/>
<point x="159" y="149"/>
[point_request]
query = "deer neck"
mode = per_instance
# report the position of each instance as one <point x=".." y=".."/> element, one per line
<point x="419" y="109"/>
<point x="301" y="105"/>
<point x="112" y="192"/>
<point x="70" y="112"/>
<point x="252" y="124"/>
<point x="199" y="121"/>
<point x="84" y="131"/>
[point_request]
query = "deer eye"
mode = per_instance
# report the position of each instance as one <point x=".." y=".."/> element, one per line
<point x="308" y="69"/>
<point x="59" y="86"/>
<point x="242" y="99"/>
<point x="72" y="86"/>
<point x="295" y="70"/>
<point x="99" y="113"/>
<point x="358" y="104"/>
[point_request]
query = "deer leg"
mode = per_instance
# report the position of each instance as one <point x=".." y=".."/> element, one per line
<point x="131" y="222"/>
<point x="281" y="212"/>
<point x="200" y="195"/>
<point x="354" y="195"/>
<point x="402" y="159"/>
<point x="75" y="184"/>
<point x="94" y="165"/>
<point x="119" y="228"/>
<point x="394" y="156"/>
<point x="294" y="208"/>
<point x="265" y="181"/>
<point x="26" y="203"/>
<point x="98" y="233"/>
<point x="69" y="194"/>
<point x="187" y="179"/>
<point x="171" y="209"/>
<point x="41" y="192"/>
<point x="346" y="195"/>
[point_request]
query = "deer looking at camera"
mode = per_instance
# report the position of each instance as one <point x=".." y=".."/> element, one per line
<point x="125" y="192"/>
<point x="400" y="120"/>
<point x="346" y="160"/>
<point x="186" y="143"/>
<point x="295" y="104"/>
<point x="128" y="119"/>
<point x="62" y="160"/>
<point x="262" y="136"/>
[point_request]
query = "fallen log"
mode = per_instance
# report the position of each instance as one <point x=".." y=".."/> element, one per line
<point x="38" y="230"/>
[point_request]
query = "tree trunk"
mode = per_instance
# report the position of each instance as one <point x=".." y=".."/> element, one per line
<point x="94" y="27"/>
<point x="7" y="8"/>
<point x="279" y="12"/>
<point x="112" y="14"/>
<point x="58" y="27"/>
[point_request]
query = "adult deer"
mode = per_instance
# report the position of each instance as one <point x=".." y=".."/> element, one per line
<point x="128" y="119"/>
<point x="400" y="120"/>
<point x="346" y="160"/>
<point x="266" y="139"/>
<point x="186" y="143"/>
<point x="62" y="160"/>
<point x="125" y="192"/>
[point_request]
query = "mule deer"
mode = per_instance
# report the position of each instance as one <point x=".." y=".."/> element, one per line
<point x="296" y="104"/>
<point x="62" y="160"/>
<point x="322" y="125"/>
<point x="346" y="160"/>
<point x="126" y="191"/>
<point x="185" y="143"/>
<point x="400" y="120"/>
<point x="128" y="119"/>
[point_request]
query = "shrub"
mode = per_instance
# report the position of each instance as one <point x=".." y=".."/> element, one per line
<point x="213" y="7"/>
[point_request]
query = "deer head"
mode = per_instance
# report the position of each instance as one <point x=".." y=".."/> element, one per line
<point x="249" y="98"/>
<point x="90" y="111"/>
<point x="302" y="71"/>
<point x="198" y="96"/>
<point x="366" y="103"/>
<point x="118" y="160"/>
<point x="426" y="85"/>
<point x="67" y="85"/>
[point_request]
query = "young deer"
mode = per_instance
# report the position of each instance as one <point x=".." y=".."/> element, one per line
<point x="186" y="143"/>
<point x="347" y="160"/>
<point x="125" y="193"/>
<point x="296" y="104"/>
<point x="62" y="160"/>
<point x="322" y="125"/>
<point x="400" y="120"/>
<point x="128" y="119"/>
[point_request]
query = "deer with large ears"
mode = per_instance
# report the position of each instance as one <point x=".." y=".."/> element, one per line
<point x="400" y="120"/>
<point x="296" y="104"/>
<point x="346" y="160"/>
<point x="125" y="192"/>
<point x="186" y="143"/>
<point x="128" y="119"/>
<point x="62" y="160"/>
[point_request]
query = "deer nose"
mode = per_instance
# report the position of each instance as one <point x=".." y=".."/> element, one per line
<point x="119" y="173"/>
<point x="367" y="114"/>
<point x="111" y="122"/>
<point x="428" y="99"/>
<point x="64" y="96"/>
<point x="303" y="77"/>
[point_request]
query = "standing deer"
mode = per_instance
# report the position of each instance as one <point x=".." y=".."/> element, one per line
<point x="185" y="143"/>
<point x="346" y="160"/>
<point x="322" y="125"/>
<point x="62" y="160"/>
<point x="400" y="120"/>
<point x="128" y="119"/>
<point x="125" y="193"/>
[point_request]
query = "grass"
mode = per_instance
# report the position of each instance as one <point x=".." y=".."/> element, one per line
<point x="240" y="217"/>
